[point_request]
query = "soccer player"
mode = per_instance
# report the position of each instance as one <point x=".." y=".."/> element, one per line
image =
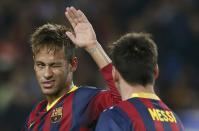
<point x="67" y="107"/>
<point x="135" y="69"/>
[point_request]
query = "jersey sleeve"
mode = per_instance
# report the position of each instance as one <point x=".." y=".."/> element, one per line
<point x="113" y="93"/>
<point x="107" y="75"/>
<point x="105" y="98"/>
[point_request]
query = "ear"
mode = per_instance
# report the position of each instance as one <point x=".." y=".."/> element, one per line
<point x="73" y="64"/>
<point x="115" y="74"/>
<point x="156" y="72"/>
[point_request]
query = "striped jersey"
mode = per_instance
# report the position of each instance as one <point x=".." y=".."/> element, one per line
<point x="75" y="111"/>
<point x="142" y="112"/>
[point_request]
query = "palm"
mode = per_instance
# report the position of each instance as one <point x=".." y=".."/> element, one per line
<point x="84" y="34"/>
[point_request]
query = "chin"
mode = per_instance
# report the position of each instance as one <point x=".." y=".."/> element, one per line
<point x="48" y="92"/>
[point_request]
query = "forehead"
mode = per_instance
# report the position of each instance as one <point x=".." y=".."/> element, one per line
<point x="49" y="54"/>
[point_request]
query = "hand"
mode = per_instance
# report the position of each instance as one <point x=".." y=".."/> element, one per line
<point x="84" y="35"/>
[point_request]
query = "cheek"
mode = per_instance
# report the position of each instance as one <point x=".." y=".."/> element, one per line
<point x="61" y="75"/>
<point x="61" y="81"/>
<point x="38" y="74"/>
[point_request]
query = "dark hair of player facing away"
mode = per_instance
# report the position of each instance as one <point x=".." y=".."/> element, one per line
<point x="54" y="38"/>
<point x="135" y="55"/>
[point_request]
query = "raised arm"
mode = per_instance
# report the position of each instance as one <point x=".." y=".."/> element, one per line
<point x="84" y="36"/>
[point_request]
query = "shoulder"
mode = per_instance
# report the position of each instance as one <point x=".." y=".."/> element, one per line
<point x="38" y="104"/>
<point x="121" y="112"/>
<point x="85" y="94"/>
<point x="37" y="108"/>
<point x="115" y="113"/>
<point x="88" y="90"/>
<point x="115" y="118"/>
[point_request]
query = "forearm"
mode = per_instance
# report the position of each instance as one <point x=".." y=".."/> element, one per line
<point x="98" y="54"/>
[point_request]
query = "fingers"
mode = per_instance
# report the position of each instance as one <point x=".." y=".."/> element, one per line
<point x="75" y="16"/>
<point x="70" y="17"/>
<point x="82" y="17"/>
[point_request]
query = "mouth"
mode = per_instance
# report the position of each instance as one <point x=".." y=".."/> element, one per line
<point x="48" y="84"/>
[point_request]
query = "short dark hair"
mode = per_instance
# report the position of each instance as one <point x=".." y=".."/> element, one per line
<point x="54" y="38"/>
<point x="135" y="56"/>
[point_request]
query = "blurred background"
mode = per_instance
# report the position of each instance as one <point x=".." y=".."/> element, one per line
<point x="174" y="25"/>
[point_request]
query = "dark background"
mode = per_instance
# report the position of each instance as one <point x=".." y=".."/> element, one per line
<point x="174" y="25"/>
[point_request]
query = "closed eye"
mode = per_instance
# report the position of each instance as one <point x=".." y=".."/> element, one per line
<point x="56" y="65"/>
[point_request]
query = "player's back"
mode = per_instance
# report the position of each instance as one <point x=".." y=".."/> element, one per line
<point x="139" y="114"/>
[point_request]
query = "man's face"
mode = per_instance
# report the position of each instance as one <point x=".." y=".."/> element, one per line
<point x="51" y="70"/>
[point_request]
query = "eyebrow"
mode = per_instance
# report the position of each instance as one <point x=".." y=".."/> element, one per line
<point x="50" y="63"/>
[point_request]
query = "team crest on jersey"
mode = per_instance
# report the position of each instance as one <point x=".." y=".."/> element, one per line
<point x="56" y="114"/>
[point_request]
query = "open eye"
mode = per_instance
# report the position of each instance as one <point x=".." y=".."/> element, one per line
<point x="40" y="65"/>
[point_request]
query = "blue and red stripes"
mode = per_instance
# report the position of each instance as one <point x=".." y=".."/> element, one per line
<point x="137" y="111"/>
<point x="67" y="113"/>
<point x="133" y="114"/>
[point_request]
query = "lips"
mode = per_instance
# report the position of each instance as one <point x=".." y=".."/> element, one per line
<point x="48" y="84"/>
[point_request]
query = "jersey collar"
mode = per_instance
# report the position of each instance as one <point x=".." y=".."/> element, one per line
<point x="145" y="95"/>
<point x="49" y="106"/>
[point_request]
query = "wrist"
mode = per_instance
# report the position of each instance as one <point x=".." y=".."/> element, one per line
<point x="92" y="47"/>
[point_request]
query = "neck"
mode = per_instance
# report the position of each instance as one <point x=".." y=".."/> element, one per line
<point x="127" y="90"/>
<point x="52" y="98"/>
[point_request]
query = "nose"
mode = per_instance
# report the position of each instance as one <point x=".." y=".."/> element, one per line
<point x="48" y="73"/>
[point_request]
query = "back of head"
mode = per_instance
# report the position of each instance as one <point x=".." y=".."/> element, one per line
<point x="54" y="38"/>
<point x="134" y="55"/>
